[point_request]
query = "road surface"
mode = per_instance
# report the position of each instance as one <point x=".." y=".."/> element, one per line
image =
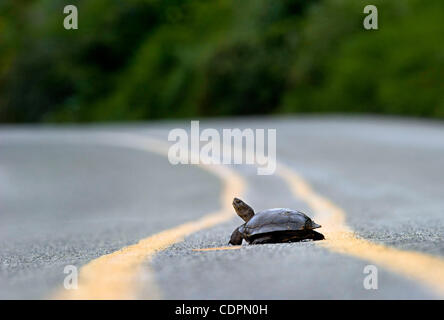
<point x="78" y="195"/>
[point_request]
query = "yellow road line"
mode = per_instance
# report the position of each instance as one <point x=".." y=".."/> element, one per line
<point x="423" y="268"/>
<point x="116" y="275"/>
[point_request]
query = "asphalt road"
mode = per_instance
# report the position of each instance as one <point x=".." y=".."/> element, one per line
<point x="66" y="198"/>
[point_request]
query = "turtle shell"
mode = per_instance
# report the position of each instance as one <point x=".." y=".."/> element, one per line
<point x="279" y="219"/>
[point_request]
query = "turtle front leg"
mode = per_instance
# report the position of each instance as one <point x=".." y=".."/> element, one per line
<point x="236" y="238"/>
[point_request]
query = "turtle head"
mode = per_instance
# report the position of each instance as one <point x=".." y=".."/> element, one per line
<point x="243" y="210"/>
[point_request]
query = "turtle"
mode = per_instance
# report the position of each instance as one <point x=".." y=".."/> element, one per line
<point x="272" y="226"/>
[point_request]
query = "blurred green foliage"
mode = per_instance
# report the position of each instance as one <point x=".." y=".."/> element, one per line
<point x="150" y="59"/>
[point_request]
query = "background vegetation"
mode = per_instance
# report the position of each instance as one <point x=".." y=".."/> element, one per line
<point x="150" y="59"/>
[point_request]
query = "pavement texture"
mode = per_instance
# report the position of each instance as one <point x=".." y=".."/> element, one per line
<point x="66" y="201"/>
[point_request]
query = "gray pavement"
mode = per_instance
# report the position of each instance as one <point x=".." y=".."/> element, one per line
<point x="68" y="203"/>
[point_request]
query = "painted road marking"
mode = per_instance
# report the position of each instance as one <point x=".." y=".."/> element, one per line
<point x="115" y="275"/>
<point x="423" y="268"/>
<point x="124" y="265"/>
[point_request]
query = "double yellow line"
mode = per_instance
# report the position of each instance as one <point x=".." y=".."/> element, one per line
<point x="115" y="276"/>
